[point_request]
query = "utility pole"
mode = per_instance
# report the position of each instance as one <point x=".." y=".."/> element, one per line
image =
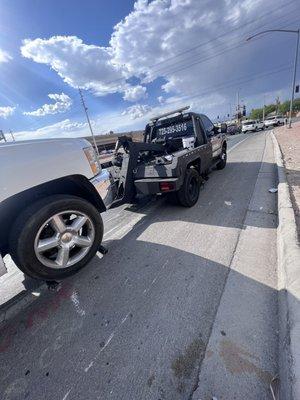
<point x="2" y="136"/>
<point x="277" y="104"/>
<point x="89" y="122"/>
<point x="12" y="135"/>
<point x="295" y="62"/>
<point x="264" y="108"/>
<point x="238" y="106"/>
<point x="294" y="80"/>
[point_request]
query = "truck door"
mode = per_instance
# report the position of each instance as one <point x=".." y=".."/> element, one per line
<point x="206" y="147"/>
<point x="213" y="136"/>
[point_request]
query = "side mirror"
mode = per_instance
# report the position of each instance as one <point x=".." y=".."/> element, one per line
<point x="223" y="128"/>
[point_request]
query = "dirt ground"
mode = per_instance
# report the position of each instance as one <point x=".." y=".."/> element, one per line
<point x="289" y="142"/>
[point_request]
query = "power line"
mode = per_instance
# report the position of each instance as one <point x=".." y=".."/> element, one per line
<point x="166" y="70"/>
<point x="247" y="77"/>
<point x="228" y="32"/>
<point x="236" y="83"/>
<point x="200" y="59"/>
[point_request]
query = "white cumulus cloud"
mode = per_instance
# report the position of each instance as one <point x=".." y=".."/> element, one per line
<point x="78" y="64"/>
<point x="6" y="111"/>
<point x="135" y="93"/>
<point x="4" y="56"/>
<point x="62" y="103"/>
<point x="192" y="49"/>
<point x="137" y="111"/>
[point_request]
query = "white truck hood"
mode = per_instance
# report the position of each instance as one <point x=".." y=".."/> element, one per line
<point x="29" y="163"/>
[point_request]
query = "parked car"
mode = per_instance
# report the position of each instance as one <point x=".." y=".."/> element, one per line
<point x="252" y="125"/>
<point x="274" y="121"/>
<point x="233" y="129"/>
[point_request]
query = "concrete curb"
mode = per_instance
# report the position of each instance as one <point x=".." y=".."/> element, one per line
<point x="288" y="253"/>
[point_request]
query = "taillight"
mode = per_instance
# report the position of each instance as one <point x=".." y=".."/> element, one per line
<point x="166" y="186"/>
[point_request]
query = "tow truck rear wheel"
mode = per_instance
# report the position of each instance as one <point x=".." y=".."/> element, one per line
<point x="188" y="194"/>
<point x="55" y="237"/>
<point x="222" y="163"/>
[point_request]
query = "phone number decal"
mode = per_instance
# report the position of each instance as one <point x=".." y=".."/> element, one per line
<point x="172" y="129"/>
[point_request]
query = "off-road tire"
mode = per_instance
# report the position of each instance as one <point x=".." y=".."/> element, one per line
<point x="223" y="159"/>
<point x="188" y="194"/>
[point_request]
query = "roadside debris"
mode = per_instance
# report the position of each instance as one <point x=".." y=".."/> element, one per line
<point x="54" y="286"/>
<point x="274" y="387"/>
<point x="273" y="190"/>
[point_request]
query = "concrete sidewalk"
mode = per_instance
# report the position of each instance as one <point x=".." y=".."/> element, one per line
<point x="240" y="361"/>
<point x="289" y="142"/>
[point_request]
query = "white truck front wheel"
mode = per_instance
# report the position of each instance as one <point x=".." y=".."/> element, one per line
<point x="56" y="236"/>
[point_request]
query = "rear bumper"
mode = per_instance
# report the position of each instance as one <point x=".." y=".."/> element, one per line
<point x="152" y="185"/>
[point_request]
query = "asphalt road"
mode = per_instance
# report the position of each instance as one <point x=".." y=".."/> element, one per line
<point x="144" y="321"/>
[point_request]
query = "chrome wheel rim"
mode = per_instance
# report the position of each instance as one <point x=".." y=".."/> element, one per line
<point x="64" y="239"/>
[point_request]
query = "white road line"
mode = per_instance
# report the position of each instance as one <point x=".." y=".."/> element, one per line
<point x="155" y="278"/>
<point x="123" y="320"/>
<point x="66" y="395"/>
<point x="106" y="343"/>
<point x="237" y="144"/>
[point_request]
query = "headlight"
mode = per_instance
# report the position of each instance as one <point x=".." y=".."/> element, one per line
<point x="92" y="159"/>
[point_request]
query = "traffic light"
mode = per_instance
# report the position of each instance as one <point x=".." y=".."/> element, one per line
<point x="244" y="111"/>
<point x="297" y="89"/>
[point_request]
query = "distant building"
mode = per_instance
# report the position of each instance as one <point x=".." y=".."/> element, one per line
<point x="108" y="141"/>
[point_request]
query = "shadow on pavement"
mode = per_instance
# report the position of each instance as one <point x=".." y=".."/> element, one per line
<point x="136" y="324"/>
<point x="225" y="198"/>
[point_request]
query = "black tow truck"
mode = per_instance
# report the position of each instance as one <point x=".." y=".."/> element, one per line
<point x="179" y="149"/>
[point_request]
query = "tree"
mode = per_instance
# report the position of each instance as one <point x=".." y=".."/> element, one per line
<point x="256" y="113"/>
<point x="282" y="108"/>
<point x="269" y="109"/>
<point x="296" y="104"/>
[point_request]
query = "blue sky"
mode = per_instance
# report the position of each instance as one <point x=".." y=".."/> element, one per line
<point x="135" y="59"/>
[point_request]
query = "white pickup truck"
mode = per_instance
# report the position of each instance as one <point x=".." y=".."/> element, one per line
<point x="52" y="192"/>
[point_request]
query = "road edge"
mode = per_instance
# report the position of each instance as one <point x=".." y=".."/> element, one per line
<point x="288" y="256"/>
